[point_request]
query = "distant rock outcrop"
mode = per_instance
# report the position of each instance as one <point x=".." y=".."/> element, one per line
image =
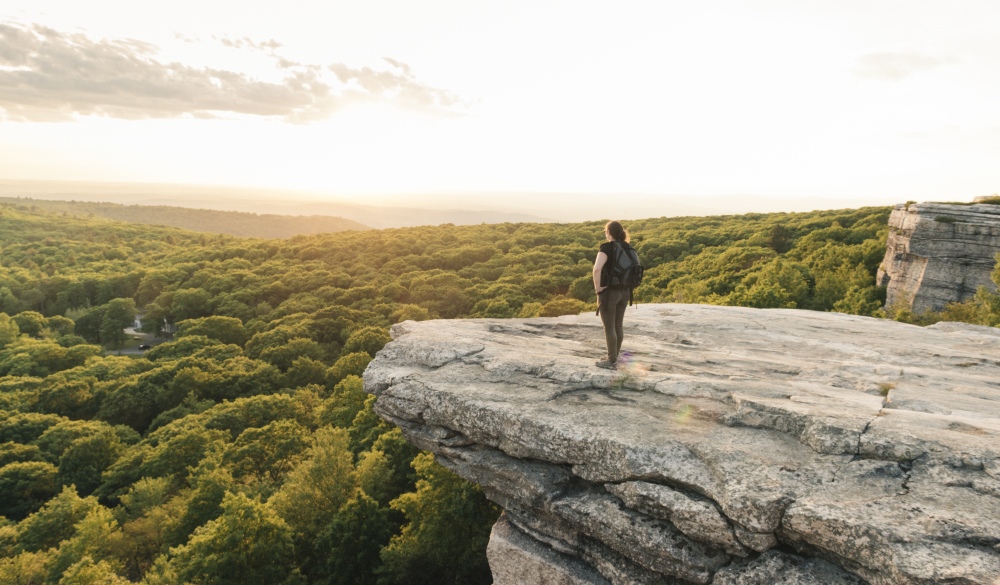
<point x="939" y="253"/>
<point x="737" y="445"/>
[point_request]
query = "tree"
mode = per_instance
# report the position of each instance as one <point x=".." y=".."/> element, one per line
<point x="352" y="364"/>
<point x="368" y="340"/>
<point x="448" y="526"/>
<point x="145" y="495"/>
<point x="25" y="487"/>
<point x="779" y="238"/>
<point x="41" y="357"/>
<point x="343" y="406"/>
<point x="316" y="489"/>
<point x="780" y="284"/>
<point x="583" y="289"/>
<point x="248" y="544"/>
<point x="367" y="427"/>
<point x="9" y="330"/>
<point x="96" y="536"/>
<point x="26" y="568"/>
<point x="529" y="310"/>
<point x="55" y="522"/>
<point x="282" y="356"/>
<point x="493" y="308"/>
<point x="30" y="323"/>
<point x="87" y="572"/>
<point x="224" y="329"/>
<point x="11" y="452"/>
<point x="154" y="318"/>
<point x="269" y="452"/>
<point x="136" y="401"/>
<point x="9" y="303"/>
<point x="393" y="451"/>
<point x="181" y="347"/>
<point x="88" y="325"/>
<point x="143" y="537"/>
<point x="564" y="306"/>
<point x="255" y="411"/>
<point x="26" y="427"/>
<point x="441" y="292"/>
<point x="118" y="314"/>
<point x="273" y="338"/>
<point x="190" y="303"/>
<point x="176" y="454"/>
<point x="210" y="483"/>
<point x="59" y="325"/>
<point x="57" y="438"/>
<point x="349" y="545"/>
<point x="407" y="312"/>
<point x="859" y="301"/>
<point x="375" y="476"/>
<point x="305" y="371"/>
<point x="87" y="458"/>
<point x="71" y="399"/>
<point x="150" y="287"/>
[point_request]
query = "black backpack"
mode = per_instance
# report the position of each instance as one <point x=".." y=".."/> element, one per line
<point x="624" y="269"/>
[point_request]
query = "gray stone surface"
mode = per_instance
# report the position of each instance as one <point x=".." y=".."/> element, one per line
<point x="694" y="516"/>
<point x="777" y="568"/>
<point x="517" y="559"/>
<point x="939" y="253"/>
<point x="869" y="448"/>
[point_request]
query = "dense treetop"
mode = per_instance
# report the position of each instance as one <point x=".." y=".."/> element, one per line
<point x="250" y="426"/>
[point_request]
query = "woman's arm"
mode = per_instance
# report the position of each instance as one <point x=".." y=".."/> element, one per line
<point x="602" y="258"/>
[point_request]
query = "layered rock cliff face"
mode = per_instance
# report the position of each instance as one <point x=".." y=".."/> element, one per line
<point x="938" y="253"/>
<point x="735" y="446"/>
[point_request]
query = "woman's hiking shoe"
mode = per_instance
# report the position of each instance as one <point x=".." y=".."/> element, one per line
<point x="606" y="365"/>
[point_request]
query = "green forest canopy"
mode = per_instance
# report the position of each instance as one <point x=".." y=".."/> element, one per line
<point x="245" y="449"/>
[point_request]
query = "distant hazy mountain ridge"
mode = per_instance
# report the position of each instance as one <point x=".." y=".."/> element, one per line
<point x="464" y="210"/>
<point x="236" y="223"/>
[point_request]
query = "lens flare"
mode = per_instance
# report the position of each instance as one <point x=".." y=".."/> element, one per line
<point x="629" y="366"/>
<point x="629" y="372"/>
<point x="684" y="414"/>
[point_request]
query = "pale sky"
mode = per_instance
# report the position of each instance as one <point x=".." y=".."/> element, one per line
<point x="876" y="101"/>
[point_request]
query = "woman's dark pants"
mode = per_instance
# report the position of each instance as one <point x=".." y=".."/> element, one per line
<point x="614" y="301"/>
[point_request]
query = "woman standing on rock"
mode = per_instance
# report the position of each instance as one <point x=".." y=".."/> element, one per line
<point x="611" y="301"/>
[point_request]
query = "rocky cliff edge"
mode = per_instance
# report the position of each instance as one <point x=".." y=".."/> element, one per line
<point x="735" y="446"/>
<point x="939" y="253"/>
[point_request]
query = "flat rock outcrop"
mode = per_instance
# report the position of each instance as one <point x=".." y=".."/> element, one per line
<point x="733" y="446"/>
<point x="939" y="253"/>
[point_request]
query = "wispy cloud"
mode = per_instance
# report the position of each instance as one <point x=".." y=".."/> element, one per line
<point x="268" y="45"/>
<point x="397" y="84"/>
<point x="894" y="66"/>
<point x="50" y="75"/>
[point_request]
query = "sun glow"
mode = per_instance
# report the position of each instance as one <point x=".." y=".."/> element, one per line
<point x="650" y="98"/>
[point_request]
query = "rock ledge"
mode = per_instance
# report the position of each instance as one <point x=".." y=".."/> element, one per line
<point x="939" y="253"/>
<point x="736" y="446"/>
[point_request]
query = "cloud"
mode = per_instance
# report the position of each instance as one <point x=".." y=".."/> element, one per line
<point x="48" y="75"/>
<point x="399" y="85"/>
<point x="268" y="45"/>
<point x="890" y="66"/>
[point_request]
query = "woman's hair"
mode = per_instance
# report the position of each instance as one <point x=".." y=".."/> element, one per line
<point x="616" y="231"/>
